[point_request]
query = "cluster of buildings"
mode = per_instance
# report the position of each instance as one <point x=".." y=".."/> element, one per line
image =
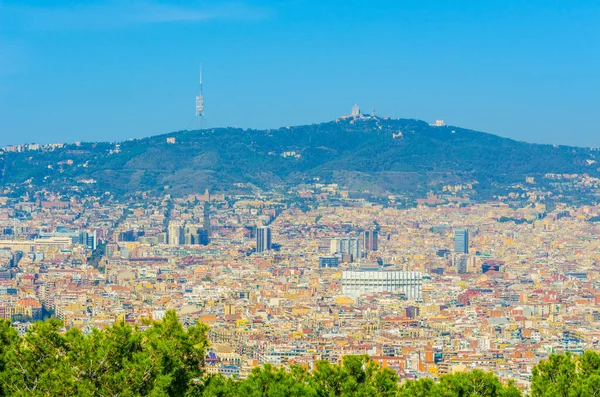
<point x="31" y="147"/>
<point x="425" y="291"/>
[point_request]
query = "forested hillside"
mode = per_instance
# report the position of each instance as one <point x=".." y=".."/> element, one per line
<point x="382" y="156"/>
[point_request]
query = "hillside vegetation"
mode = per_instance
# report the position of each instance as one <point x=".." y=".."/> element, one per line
<point x="379" y="155"/>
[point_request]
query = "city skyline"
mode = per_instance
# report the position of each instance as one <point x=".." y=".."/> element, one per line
<point x="425" y="291"/>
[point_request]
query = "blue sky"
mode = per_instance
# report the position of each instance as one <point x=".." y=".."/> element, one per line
<point x="118" y="69"/>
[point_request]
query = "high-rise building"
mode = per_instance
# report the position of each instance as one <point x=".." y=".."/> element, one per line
<point x="83" y="237"/>
<point x="347" y="245"/>
<point x="263" y="238"/>
<point x="370" y="237"/>
<point x="334" y="246"/>
<point x="195" y="235"/>
<point x="92" y="240"/>
<point x="89" y="239"/>
<point x="461" y="241"/>
<point x="16" y="258"/>
<point x="126" y="236"/>
<point x="461" y="263"/>
<point x="175" y="234"/>
<point x="202" y="237"/>
<point x="206" y="223"/>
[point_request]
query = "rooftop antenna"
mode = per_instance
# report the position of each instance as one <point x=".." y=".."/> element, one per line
<point x="200" y="102"/>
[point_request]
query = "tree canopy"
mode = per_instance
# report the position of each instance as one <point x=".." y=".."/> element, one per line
<point x="566" y="375"/>
<point x="162" y="358"/>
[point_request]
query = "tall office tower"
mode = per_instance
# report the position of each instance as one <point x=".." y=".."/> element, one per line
<point x="347" y="245"/>
<point x="351" y="246"/>
<point x="334" y="246"/>
<point x="92" y="240"/>
<point x="126" y="236"/>
<point x="83" y="237"/>
<point x="202" y="237"/>
<point x="206" y="221"/>
<point x="461" y="263"/>
<point x="16" y="258"/>
<point x="263" y="238"/>
<point x="88" y="239"/>
<point x="461" y="241"/>
<point x="370" y="239"/>
<point x="175" y="234"/>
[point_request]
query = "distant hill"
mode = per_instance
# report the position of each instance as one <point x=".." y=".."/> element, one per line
<point x="383" y="156"/>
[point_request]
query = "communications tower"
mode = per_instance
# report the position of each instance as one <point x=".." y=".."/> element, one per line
<point x="200" y="103"/>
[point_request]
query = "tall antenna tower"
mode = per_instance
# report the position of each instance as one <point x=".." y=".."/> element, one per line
<point x="200" y="103"/>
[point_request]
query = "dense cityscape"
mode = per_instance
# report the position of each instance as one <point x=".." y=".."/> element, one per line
<point x="244" y="198"/>
<point x="440" y="287"/>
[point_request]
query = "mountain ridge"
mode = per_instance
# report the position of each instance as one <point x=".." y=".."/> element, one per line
<point x="380" y="155"/>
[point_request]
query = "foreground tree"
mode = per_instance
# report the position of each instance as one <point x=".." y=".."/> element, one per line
<point x="165" y="359"/>
<point x="356" y="376"/>
<point x="418" y="388"/>
<point x="38" y="363"/>
<point x="463" y="384"/>
<point x="121" y="360"/>
<point x="476" y="384"/>
<point x="566" y="375"/>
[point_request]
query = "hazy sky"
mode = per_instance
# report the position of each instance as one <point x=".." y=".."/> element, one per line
<point x="117" y="69"/>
